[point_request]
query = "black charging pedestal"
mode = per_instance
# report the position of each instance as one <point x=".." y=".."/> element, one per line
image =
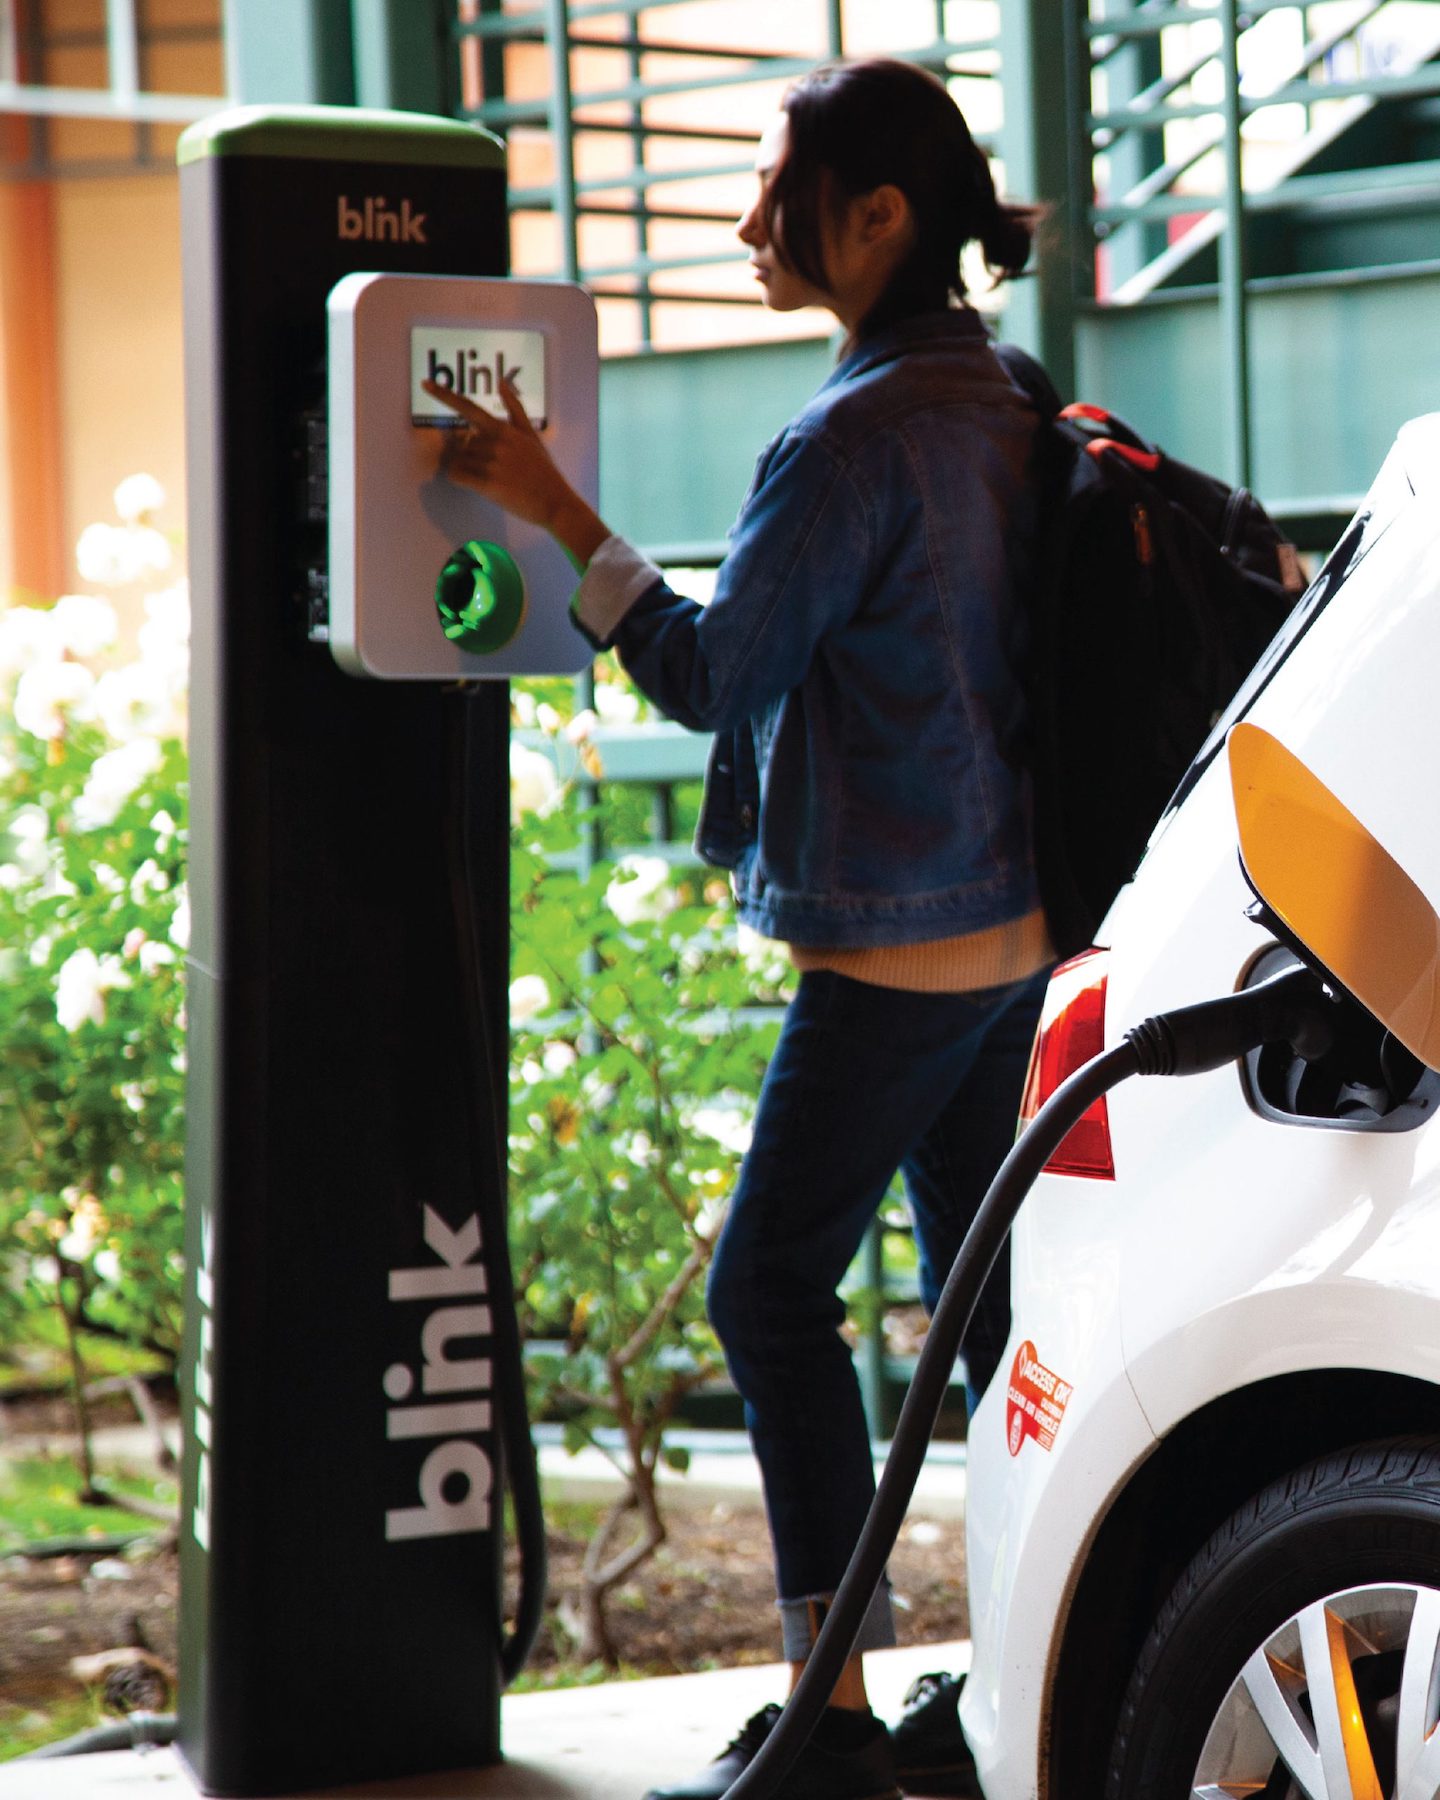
<point x="340" y="1536"/>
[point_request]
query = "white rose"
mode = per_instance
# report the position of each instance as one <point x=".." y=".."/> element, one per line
<point x="529" y="996"/>
<point x="148" y="879"/>
<point x="139" y="700"/>
<point x="581" y="726"/>
<point x="151" y="549"/>
<point x="155" y="956"/>
<point x="640" y="889"/>
<point x="28" y="635"/>
<point x="85" y="624"/>
<point x="105" y="556"/>
<point x="533" y="782"/>
<point x="113" y="778"/>
<point x="164" y="638"/>
<point x="46" y="691"/>
<point x="87" y="1227"/>
<point x="81" y="986"/>
<point x="180" y="924"/>
<point x="136" y="496"/>
<point x="558" y="1058"/>
<point x="767" y="960"/>
<point x="30" y="833"/>
<point x="523" y="707"/>
<point x="728" y="1126"/>
<point x="616" y="705"/>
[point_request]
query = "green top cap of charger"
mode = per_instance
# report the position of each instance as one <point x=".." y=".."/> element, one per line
<point x="341" y="134"/>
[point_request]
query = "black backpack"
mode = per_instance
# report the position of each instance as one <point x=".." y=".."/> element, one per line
<point x="1156" y="589"/>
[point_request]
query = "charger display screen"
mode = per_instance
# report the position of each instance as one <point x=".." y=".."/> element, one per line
<point x="472" y="363"/>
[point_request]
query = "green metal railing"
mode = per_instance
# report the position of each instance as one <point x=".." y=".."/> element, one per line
<point x="1153" y="146"/>
<point x="579" y="110"/>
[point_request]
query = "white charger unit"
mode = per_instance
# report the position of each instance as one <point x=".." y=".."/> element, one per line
<point x="428" y="580"/>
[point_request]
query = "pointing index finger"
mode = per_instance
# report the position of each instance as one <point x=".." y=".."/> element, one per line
<point x="514" y="405"/>
<point x="458" y="403"/>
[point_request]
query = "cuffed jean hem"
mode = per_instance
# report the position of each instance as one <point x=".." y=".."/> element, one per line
<point x="800" y="1622"/>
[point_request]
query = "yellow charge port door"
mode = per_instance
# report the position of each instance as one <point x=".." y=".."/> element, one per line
<point x="1336" y="891"/>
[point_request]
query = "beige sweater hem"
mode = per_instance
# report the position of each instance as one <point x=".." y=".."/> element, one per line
<point x="954" y="965"/>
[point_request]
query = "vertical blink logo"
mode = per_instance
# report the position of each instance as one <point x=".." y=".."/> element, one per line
<point x="372" y="220"/>
<point x="455" y="1477"/>
<point x="202" y="1381"/>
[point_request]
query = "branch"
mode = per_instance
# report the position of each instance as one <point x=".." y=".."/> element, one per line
<point x="664" y="1307"/>
<point x="619" y="1566"/>
<point x="602" y="1449"/>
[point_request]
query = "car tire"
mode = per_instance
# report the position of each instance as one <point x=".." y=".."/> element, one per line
<point x="1299" y="1654"/>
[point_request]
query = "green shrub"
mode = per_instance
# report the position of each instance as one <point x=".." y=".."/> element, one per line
<point x="93" y="924"/>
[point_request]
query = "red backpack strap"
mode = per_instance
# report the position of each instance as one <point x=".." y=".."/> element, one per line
<point x="1139" y="459"/>
<point x="1082" y="409"/>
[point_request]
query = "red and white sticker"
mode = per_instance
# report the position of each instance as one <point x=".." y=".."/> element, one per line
<point x="1035" y="1402"/>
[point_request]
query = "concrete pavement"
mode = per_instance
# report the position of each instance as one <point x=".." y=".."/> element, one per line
<point x="598" y="1743"/>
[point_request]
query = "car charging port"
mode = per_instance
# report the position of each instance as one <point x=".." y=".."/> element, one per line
<point x="1366" y="1081"/>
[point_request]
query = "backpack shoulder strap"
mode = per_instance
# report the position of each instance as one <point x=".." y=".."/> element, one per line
<point x="1029" y="377"/>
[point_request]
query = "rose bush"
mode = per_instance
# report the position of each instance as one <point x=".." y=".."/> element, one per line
<point x="93" y="924"/>
<point x="636" y="1059"/>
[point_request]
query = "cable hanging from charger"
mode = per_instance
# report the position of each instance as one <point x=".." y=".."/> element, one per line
<point x="1293" y="1006"/>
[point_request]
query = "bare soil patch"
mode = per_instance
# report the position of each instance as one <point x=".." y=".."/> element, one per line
<point x="705" y="1600"/>
<point x="707" y="1597"/>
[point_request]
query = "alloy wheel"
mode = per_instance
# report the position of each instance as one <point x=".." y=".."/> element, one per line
<point x="1340" y="1703"/>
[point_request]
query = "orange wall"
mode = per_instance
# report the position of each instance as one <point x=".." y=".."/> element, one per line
<point x="90" y="293"/>
<point x="120" y="372"/>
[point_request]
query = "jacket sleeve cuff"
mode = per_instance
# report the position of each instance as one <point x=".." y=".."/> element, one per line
<point x="615" y="578"/>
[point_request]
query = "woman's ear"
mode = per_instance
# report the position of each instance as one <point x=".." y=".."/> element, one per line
<point x="884" y="214"/>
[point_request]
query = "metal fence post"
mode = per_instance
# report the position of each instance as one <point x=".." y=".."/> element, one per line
<point x="1234" y="305"/>
<point x="283" y="51"/>
<point x="403" y="54"/>
<point x="1036" y="146"/>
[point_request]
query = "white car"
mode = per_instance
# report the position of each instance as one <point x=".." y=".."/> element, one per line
<point x="1204" y="1499"/>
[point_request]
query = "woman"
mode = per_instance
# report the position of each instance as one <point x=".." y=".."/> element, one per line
<point x="857" y="666"/>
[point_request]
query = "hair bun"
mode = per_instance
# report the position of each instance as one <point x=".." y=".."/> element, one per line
<point x="1007" y="240"/>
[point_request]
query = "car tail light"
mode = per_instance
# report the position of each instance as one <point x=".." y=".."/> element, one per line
<point x="1072" y="1030"/>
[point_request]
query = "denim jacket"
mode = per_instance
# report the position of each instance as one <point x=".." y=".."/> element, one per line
<point x="857" y="662"/>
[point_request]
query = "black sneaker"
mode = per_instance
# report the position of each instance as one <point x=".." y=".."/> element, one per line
<point x="928" y="1746"/>
<point x="847" y="1759"/>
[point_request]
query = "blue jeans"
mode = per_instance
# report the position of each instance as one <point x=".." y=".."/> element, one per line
<point x="864" y="1081"/>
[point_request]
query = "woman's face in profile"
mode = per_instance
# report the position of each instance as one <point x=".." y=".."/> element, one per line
<point x="861" y="240"/>
<point x="783" y="289"/>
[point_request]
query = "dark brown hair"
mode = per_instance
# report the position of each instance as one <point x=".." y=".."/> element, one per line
<point x="854" y="127"/>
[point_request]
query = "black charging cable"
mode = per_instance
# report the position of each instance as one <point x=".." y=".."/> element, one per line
<point x="1294" y="1007"/>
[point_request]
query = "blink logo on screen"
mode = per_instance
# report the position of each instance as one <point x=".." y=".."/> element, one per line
<point x="473" y="364"/>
